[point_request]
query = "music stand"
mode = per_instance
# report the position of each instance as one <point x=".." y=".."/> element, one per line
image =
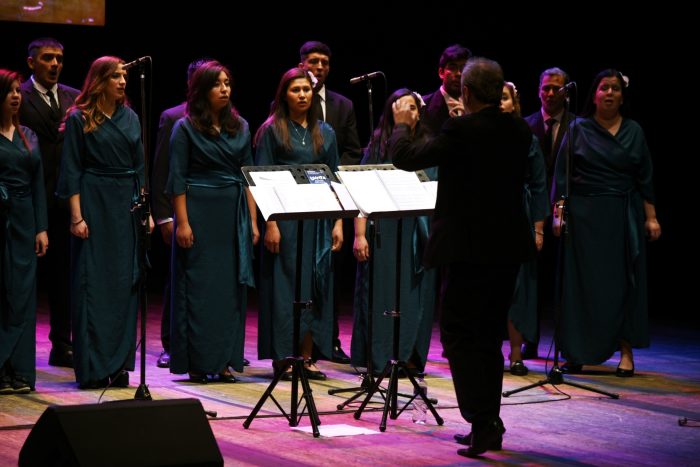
<point x="265" y="200"/>
<point x="402" y="207"/>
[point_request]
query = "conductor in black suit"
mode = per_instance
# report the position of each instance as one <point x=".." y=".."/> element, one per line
<point x="479" y="235"/>
<point x="339" y="113"/>
<point x="549" y="124"/>
<point x="44" y="104"/>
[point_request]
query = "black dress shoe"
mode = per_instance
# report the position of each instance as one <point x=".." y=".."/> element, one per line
<point x="62" y="358"/>
<point x="529" y="351"/>
<point x="120" y="379"/>
<point x="316" y="375"/>
<point x="94" y="384"/>
<point x="571" y="368"/>
<point x="339" y="356"/>
<point x="485" y="436"/>
<point x="21" y="386"/>
<point x="466" y="440"/>
<point x="517" y="368"/>
<point x="622" y="373"/>
<point x="246" y="362"/>
<point x="164" y="359"/>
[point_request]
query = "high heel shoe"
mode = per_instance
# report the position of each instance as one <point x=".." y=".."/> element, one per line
<point x="281" y="366"/>
<point x="313" y="374"/>
<point x="227" y="377"/>
<point x="200" y="378"/>
<point x="622" y="373"/>
<point x="518" y="368"/>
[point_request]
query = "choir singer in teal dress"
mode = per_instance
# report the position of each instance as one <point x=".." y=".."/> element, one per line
<point x="215" y="230"/>
<point x="23" y="224"/>
<point x="611" y="214"/>
<point x="418" y="285"/>
<point x="291" y="135"/>
<point x="102" y="173"/>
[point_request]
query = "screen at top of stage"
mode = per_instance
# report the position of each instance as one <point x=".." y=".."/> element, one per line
<point x="78" y="12"/>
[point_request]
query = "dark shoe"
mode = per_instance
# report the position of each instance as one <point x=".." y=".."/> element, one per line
<point x="20" y="386"/>
<point x="61" y="358"/>
<point x="6" y="385"/>
<point x="164" y="359"/>
<point x="246" y="362"/>
<point x="622" y="373"/>
<point x="287" y="375"/>
<point x="466" y="440"/>
<point x="315" y="375"/>
<point x="529" y="351"/>
<point x="226" y="377"/>
<point x="94" y="384"/>
<point x="571" y="368"/>
<point x="517" y="368"/>
<point x="278" y="366"/>
<point x="339" y="356"/>
<point x="485" y="436"/>
<point x="200" y="378"/>
<point x="120" y="379"/>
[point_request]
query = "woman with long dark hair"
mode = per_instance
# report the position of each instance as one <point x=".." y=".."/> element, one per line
<point x="23" y="224"/>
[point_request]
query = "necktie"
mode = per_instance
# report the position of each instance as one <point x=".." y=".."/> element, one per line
<point x="52" y="102"/>
<point x="316" y="102"/>
<point x="547" y="143"/>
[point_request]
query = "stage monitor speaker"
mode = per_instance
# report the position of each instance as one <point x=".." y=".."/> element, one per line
<point x="135" y="433"/>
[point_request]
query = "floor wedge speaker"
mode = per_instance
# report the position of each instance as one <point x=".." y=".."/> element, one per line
<point x="172" y="432"/>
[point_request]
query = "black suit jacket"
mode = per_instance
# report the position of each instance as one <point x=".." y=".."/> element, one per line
<point x="161" y="203"/>
<point x="340" y="114"/>
<point x="536" y="124"/>
<point x="479" y="215"/>
<point x="36" y="114"/>
<point x="435" y="112"/>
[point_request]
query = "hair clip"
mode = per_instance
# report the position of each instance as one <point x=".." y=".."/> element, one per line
<point x="625" y="79"/>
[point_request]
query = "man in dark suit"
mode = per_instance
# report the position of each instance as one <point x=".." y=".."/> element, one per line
<point x="339" y="113"/>
<point x="44" y="104"/>
<point x="446" y="102"/>
<point x="479" y="234"/>
<point x="549" y="124"/>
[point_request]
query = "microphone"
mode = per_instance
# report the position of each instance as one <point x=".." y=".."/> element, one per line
<point x="567" y="88"/>
<point x="138" y="61"/>
<point x="362" y="78"/>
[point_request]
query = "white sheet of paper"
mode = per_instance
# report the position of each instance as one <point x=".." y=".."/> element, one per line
<point x="331" y="431"/>
<point x="307" y="197"/>
<point x="367" y="190"/>
<point x="344" y="196"/>
<point x="431" y="187"/>
<point x="273" y="178"/>
<point x="405" y="189"/>
<point x="267" y="200"/>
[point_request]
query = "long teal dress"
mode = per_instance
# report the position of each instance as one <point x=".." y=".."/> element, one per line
<point x="523" y="310"/>
<point x="210" y="279"/>
<point x="22" y="216"/>
<point x="418" y="291"/>
<point x="604" y="278"/>
<point x="278" y="271"/>
<point x="106" y="168"/>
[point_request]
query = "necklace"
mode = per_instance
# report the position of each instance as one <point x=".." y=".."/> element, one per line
<point x="303" y="138"/>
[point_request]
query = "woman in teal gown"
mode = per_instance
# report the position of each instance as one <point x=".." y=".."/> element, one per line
<point x="102" y="173"/>
<point x="610" y="211"/>
<point x="215" y="230"/>
<point x="418" y="285"/>
<point x="522" y="316"/>
<point x="292" y="135"/>
<point x="23" y="224"/>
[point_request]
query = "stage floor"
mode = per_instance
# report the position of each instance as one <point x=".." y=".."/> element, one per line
<point x="546" y="426"/>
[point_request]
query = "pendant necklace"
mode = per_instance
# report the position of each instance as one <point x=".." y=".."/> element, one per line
<point x="303" y="138"/>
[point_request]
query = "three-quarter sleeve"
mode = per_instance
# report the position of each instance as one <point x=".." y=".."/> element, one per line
<point x="179" y="159"/>
<point x="71" y="157"/>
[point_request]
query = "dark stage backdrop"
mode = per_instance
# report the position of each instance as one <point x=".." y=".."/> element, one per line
<point x="405" y="45"/>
